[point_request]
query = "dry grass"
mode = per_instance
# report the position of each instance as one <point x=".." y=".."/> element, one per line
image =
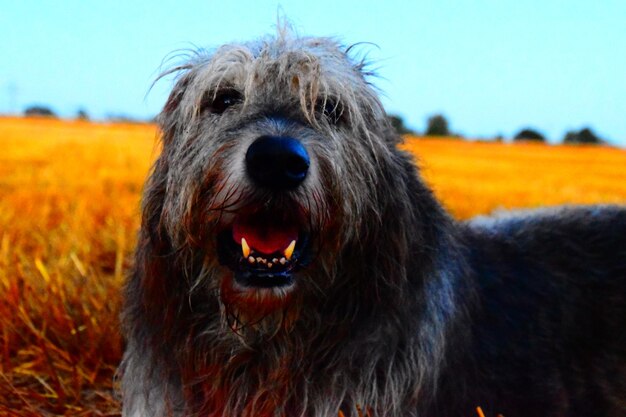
<point x="478" y="178"/>
<point x="69" y="196"/>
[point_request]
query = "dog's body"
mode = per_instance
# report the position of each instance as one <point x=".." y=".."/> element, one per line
<point x="547" y="333"/>
<point x="291" y="262"/>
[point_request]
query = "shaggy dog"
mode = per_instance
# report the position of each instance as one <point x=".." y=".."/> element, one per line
<point x="291" y="262"/>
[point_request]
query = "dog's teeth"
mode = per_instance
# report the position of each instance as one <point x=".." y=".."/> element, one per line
<point x="283" y="261"/>
<point x="289" y="251"/>
<point x="251" y="259"/>
<point x="275" y="260"/>
<point x="245" y="248"/>
<point x="269" y="264"/>
<point x="261" y="260"/>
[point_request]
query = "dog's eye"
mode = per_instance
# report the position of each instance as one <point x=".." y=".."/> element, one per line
<point x="331" y="109"/>
<point x="218" y="103"/>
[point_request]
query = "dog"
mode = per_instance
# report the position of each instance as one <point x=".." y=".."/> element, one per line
<point x="292" y="262"/>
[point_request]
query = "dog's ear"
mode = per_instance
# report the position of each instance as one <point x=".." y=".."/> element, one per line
<point x="169" y="118"/>
<point x="176" y="96"/>
<point x="391" y="135"/>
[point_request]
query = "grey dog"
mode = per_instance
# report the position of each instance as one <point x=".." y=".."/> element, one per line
<point x="291" y="262"/>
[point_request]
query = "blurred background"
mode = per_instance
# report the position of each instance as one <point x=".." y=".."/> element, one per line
<point x="491" y="67"/>
<point x="485" y="92"/>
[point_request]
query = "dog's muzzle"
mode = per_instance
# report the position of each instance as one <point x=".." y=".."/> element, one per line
<point x="265" y="246"/>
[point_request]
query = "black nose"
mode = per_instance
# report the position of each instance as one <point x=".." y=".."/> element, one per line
<point x="277" y="162"/>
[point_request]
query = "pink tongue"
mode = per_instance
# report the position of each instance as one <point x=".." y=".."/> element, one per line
<point x="266" y="239"/>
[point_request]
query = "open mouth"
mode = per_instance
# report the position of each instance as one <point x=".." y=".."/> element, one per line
<point x="264" y="250"/>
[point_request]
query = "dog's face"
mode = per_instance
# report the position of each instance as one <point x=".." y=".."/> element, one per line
<point x="271" y="156"/>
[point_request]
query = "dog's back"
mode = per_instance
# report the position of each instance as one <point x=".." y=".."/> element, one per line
<point x="548" y="328"/>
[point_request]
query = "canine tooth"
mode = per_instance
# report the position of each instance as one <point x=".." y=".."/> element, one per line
<point x="283" y="261"/>
<point x="251" y="259"/>
<point x="275" y="260"/>
<point x="261" y="260"/>
<point x="269" y="264"/>
<point x="245" y="248"/>
<point x="289" y="251"/>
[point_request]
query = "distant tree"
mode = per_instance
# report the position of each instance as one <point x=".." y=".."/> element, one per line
<point x="398" y="124"/>
<point x="39" y="110"/>
<point x="529" y="134"/>
<point x="81" y="114"/>
<point x="437" y="125"/>
<point x="571" y="137"/>
<point x="583" y="136"/>
<point x="122" y="118"/>
<point x="499" y="138"/>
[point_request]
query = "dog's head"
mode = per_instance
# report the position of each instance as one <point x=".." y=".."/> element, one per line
<point x="278" y="163"/>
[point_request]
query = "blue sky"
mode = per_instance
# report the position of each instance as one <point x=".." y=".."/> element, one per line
<point x="491" y="66"/>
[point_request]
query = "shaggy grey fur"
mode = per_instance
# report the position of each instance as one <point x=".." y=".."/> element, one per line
<point x="401" y="310"/>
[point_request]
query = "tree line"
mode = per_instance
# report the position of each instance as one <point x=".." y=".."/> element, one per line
<point x="45" y="111"/>
<point x="437" y="125"/>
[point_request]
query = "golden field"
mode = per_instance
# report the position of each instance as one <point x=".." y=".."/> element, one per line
<point x="69" y="211"/>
